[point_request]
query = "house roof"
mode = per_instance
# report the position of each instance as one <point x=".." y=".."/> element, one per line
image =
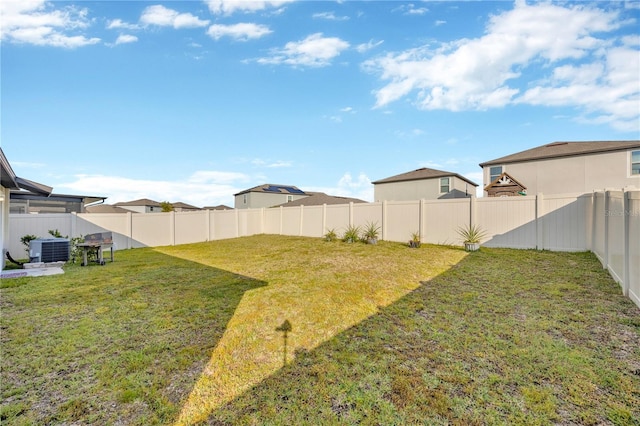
<point x="269" y="188"/>
<point x="140" y="202"/>
<point x="106" y="208"/>
<point x="320" y="198"/>
<point x="8" y="179"/>
<point x="181" y="205"/>
<point x="28" y="195"/>
<point x="218" y="207"/>
<point x="421" y="174"/>
<point x="564" y="149"/>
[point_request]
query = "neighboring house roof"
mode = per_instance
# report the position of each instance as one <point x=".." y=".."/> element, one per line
<point x="564" y="149"/>
<point x="320" y="198"/>
<point x="421" y="174"/>
<point x="184" y="206"/>
<point x="140" y="202"/>
<point x="8" y="179"/>
<point x="505" y="184"/>
<point x="106" y="208"/>
<point x="274" y="189"/>
<point x="218" y="207"/>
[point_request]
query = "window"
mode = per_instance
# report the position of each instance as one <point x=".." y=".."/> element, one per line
<point x="635" y="163"/>
<point x="444" y="185"/>
<point x="244" y="198"/>
<point x="494" y="172"/>
<point x="289" y="198"/>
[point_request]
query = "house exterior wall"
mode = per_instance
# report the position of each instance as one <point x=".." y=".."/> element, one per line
<point x="423" y="189"/>
<point x="257" y="200"/>
<point x="142" y="209"/>
<point x="4" y="221"/>
<point x="577" y="174"/>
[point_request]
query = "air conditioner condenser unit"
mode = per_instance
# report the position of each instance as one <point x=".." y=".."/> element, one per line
<point x="49" y="250"/>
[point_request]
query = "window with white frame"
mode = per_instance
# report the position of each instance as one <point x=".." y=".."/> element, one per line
<point x="494" y="172"/>
<point x="635" y="163"/>
<point x="244" y="198"/>
<point x="289" y="198"/>
<point x="444" y="185"/>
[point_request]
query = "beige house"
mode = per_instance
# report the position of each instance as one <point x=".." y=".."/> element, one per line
<point x="566" y="167"/>
<point x="267" y="195"/>
<point x="9" y="181"/>
<point x="143" y="205"/>
<point x="423" y="184"/>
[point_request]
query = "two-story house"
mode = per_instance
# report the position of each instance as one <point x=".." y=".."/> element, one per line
<point x="564" y="167"/>
<point x="424" y="183"/>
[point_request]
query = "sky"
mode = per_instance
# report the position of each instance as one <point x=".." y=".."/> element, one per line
<point x="194" y="101"/>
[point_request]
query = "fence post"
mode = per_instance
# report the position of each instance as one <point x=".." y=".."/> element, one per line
<point x="129" y="230"/>
<point x="539" y="214"/>
<point x="324" y="219"/>
<point x="421" y="219"/>
<point x="607" y="195"/>
<point x="626" y="211"/>
<point x="73" y="218"/>
<point x="301" y="220"/>
<point x="472" y="211"/>
<point x="281" y="209"/>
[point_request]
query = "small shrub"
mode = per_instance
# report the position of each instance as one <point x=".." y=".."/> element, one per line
<point x="26" y="239"/>
<point x="331" y="235"/>
<point x="371" y="232"/>
<point x="351" y="234"/>
<point x="472" y="233"/>
<point x="415" y="242"/>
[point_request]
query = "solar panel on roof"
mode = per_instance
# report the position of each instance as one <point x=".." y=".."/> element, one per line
<point x="272" y="188"/>
<point x="289" y="189"/>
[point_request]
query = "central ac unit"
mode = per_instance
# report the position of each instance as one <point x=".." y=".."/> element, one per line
<point x="49" y="250"/>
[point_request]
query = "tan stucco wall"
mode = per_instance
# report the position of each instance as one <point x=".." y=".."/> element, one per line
<point x="257" y="200"/>
<point x="424" y="189"/>
<point x="577" y="174"/>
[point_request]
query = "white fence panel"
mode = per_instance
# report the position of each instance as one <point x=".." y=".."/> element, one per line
<point x="291" y="220"/>
<point x="224" y="224"/>
<point x="564" y="222"/>
<point x="337" y="218"/>
<point x="24" y="224"/>
<point x="250" y="222"/>
<point x="401" y="219"/>
<point x="509" y="221"/>
<point x="441" y="220"/>
<point x="615" y="235"/>
<point x="272" y="221"/>
<point x="152" y="230"/>
<point x="191" y="227"/>
<point x="312" y="223"/>
<point x="369" y="213"/>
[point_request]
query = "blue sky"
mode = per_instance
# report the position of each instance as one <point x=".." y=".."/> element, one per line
<point x="194" y="101"/>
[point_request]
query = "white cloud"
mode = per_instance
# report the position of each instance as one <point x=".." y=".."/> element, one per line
<point x="241" y="31"/>
<point x="314" y="51"/>
<point x="117" y="24"/>
<point x="365" y="47"/>
<point x="598" y="76"/>
<point x="126" y="38"/>
<point x="165" y="17"/>
<point x="38" y="22"/>
<point x="411" y="9"/>
<point x="330" y="16"/>
<point x="440" y="22"/>
<point x="270" y="164"/>
<point x="227" y="7"/>
<point x="200" y="189"/>
<point x="347" y="186"/>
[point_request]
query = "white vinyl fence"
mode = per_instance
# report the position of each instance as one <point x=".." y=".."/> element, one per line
<point x="607" y="223"/>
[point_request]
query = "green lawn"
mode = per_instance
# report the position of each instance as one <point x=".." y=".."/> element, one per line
<point x="380" y="334"/>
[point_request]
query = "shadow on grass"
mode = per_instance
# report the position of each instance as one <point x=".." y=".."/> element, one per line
<point x="503" y="337"/>
<point x="120" y="343"/>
